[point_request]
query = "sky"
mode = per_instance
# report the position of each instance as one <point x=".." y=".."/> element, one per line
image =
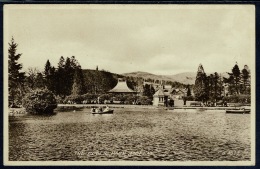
<point x="159" y="39"/>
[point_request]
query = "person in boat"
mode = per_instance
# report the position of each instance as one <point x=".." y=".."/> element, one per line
<point x="99" y="110"/>
<point x="93" y="109"/>
<point x="106" y="109"/>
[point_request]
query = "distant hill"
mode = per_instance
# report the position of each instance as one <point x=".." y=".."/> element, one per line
<point x="185" y="78"/>
<point x="146" y="75"/>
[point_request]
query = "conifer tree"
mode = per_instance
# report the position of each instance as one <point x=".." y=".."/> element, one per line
<point x="236" y="73"/>
<point x="50" y="77"/>
<point x="201" y="83"/>
<point x="61" y="77"/>
<point x="245" y="78"/>
<point x="188" y="91"/>
<point x="15" y="75"/>
<point x="69" y="71"/>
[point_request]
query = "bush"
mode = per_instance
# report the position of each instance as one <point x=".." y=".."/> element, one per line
<point x="188" y="98"/>
<point x="238" y="99"/>
<point x="39" y="101"/>
<point x="74" y="99"/>
<point x="89" y="96"/>
<point x="144" y="100"/>
<point x="131" y="99"/>
<point x="60" y="99"/>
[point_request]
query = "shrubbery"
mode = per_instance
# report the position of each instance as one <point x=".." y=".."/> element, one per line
<point x="39" y="101"/>
<point x="238" y="99"/>
<point x="107" y="99"/>
<point x="144" y="100"/>
<point x="189" y="98"/>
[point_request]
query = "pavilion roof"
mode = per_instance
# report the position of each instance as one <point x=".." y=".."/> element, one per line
<point x="121" y="87"/>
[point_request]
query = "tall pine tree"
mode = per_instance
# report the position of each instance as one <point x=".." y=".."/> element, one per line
<point x="201" y="83"/>
<point x="50" y="77"/>
<point x="245" y="79"/>
<point x="236" y="73"/>
<point x="15" y="75"/>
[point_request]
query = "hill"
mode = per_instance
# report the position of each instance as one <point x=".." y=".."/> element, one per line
<point x="185" y="78"/>
<point x="146" y="75"/>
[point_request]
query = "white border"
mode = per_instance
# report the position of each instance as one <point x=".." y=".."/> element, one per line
<point x="125" y="163"/>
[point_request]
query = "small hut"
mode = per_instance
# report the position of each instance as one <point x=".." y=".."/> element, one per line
<point x="159" y="98"/>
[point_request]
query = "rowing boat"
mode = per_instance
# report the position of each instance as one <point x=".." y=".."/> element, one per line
<point x="238" y="111"/>
<point x="103" y="112"/>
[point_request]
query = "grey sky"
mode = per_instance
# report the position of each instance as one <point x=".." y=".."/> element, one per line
<point x="166" y="39"/>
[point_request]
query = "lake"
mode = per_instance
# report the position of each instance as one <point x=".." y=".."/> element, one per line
<point x="131" y="134"/>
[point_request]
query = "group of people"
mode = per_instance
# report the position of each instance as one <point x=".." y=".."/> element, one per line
<point x="100" y="109"/>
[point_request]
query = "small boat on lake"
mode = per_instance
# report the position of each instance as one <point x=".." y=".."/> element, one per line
<point x="103" y="112"/>
<point x="238" y="111"/>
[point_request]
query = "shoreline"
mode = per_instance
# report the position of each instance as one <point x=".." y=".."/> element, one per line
<point x="69" y="107"/>
<point x="146" y="106"/>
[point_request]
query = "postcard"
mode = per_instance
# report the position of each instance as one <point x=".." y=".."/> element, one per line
<point x="167" y="85"/>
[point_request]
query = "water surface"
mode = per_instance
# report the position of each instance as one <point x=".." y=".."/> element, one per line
<point x="131" y="134"/>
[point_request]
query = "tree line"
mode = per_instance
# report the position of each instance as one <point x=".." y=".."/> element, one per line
<point x="214" y="87"/>
<point x="68" y="79"/>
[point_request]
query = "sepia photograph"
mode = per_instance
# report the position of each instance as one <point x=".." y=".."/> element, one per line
<point x="169" y="85"/>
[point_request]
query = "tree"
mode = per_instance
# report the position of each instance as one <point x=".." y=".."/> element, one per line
<point x="236" y="73"/>
<point x="217" y="86"/>
<point x="40" y="82"/>
<point x="47" y="68"/>
<point x="15" y="75"/>
<point x="146" y="90"/>
<point x="152" y="91"/>
<point x="233" y="80"/>
<point x="69" y="71"/>
<point x="200" y="87"/>
<point x="245" y="77"/>
<point x="188" y="91"/>
<point x="31" y="77"/>
<point x="61" y="77"/>
<point x="50" y="77"/>
<point x="78" y="84"/>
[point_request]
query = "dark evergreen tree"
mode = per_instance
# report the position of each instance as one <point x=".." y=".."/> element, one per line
<point x="201" y="83"/>
<point x="69" y="72"/>
<point x="231" y="83"/>
<point x="245" y="79"/>
<point x="50" y="77"/>
<point x="47" y="68"/>
<point x="146" y="90"/>
<point x="236" y="73"/>
<point x="152" y="91"/>
<point x="61" y="77"/>
<point x="15" y="75"/>
<point x="188" y="91"/>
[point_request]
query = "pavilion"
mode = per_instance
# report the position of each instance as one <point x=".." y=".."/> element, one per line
<point x="121" y="87"/>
